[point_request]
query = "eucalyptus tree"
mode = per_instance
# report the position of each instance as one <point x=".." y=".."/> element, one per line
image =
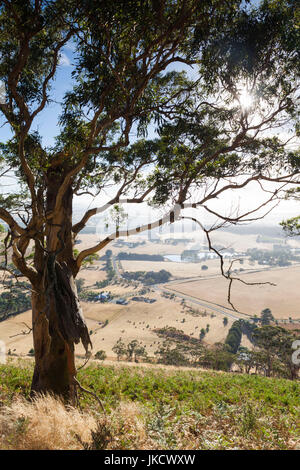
<point x="276" y="343"/>
<point x="214" y="131"/>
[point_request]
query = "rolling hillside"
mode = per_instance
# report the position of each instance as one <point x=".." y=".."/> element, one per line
<point x="152" y="408"/>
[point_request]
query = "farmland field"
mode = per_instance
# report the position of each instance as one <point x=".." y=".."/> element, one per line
<point x="138" y="320"/>
<point x="178" y="269"/>
<point x="283" y="298"/>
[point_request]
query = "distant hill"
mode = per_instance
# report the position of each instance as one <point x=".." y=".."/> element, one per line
<point x="255" y="229"/>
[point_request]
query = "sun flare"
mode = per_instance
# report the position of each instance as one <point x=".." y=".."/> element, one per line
<point x="245" y="99"/>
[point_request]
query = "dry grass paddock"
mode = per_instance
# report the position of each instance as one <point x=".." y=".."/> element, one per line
<point x="283" y="298"/>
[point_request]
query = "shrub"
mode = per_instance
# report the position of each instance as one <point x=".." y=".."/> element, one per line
<point x="101" y="355"/>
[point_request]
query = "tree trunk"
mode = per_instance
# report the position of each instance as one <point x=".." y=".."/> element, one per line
<point x="58" y="323"/>
<point x="54" y="360"/>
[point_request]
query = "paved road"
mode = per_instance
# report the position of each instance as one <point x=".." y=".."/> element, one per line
<point x="202" y="303"/>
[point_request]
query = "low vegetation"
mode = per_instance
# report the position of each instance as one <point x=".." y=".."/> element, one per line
<point x="271" y="356"/>
<point x="132" y="351"/>
<point x="151" y="408"/>
<point x="281" y="255"/>
<point x="15" y="299"/>
<point x="148" y="277"/>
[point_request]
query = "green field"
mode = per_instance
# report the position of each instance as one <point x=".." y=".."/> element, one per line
<point x="175" y="409"/>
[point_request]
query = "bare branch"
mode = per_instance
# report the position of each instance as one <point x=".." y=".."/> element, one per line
<point x="24" y="332"/>
<point x="227" y="274"/>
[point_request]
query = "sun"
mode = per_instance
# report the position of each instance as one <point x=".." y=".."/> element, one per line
<point x="245" y="99"/>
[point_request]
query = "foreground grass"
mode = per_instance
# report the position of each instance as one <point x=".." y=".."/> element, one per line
<point x="153" y="409"/>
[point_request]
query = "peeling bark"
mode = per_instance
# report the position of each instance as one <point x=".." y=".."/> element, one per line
<point x="58" y="322"/>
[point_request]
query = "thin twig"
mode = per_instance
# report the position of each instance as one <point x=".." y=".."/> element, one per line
<point x="78" y="384"/>
<point x="224" y="274"/>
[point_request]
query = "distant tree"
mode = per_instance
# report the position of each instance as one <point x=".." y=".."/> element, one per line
<point x="134" y="350"/>
<point x="268" y="339"/>
<point x="225" y="321"/>
<point x="255" y="319"/>
<point x="275" y="343"/>
<point x="285" y="354"/>
<point x="119" y="349"/>
<point x="234" y="337"/>
<point x="169" y="355"/>
<point x="266" y="317"/>
<point x="244" y="359"/>
<point x="101" y="355"/>
<point x="79" y="284"/>
<point x="259" y="359"/>
<point x="15" y="299"/>
<point x="202" y="333"/>
<point x="291" y="226"/>
<point x="140" y="352"/>
<point x="148" y="277"/>
<point x="218" y="358"/>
